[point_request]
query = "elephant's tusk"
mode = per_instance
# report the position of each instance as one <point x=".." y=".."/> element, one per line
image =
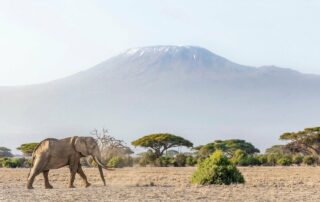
<point x="101" y="164"/>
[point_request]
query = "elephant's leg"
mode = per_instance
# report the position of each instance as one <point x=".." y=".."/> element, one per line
<point x="73" y="170"/>
<point x="72" y="177"/>
<point x="83" y="176"/>
<point x="32" y="176"/>
<point x="46" y="180"/>
<point x="34" y="171"/>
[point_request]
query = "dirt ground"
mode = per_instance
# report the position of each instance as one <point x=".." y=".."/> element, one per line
<point x="165" y="184"/>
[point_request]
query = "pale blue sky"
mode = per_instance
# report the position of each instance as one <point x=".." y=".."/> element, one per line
<point x="43" y="40"/>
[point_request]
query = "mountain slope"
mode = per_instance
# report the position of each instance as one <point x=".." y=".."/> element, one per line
<point x="180" y="89"/>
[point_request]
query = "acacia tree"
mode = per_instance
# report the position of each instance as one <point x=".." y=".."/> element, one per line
<point x="27" y="149"/>
<point x="5" y="152"/>
<point x="228" y="147"/>
<point x="278" y="149"/>
<point x="161" y="142"/>
<point x="305" y="142"/>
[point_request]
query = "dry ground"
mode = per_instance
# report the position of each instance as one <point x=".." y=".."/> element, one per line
<point x="166" y="184"/>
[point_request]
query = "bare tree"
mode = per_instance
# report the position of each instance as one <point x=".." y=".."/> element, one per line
<point x="110" y="146"/>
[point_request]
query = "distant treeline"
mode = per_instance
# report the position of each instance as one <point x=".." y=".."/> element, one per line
<point x="303" y="147"/>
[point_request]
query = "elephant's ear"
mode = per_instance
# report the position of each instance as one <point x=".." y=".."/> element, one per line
<point x="81" y="146"/>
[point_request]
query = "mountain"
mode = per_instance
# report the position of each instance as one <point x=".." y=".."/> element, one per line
<point x="185" y="90"/>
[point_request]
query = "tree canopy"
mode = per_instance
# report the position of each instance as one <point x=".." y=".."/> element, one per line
<point x="27" y="148"/>
<point x="277" y="149"/>
<point x="5" y="152"/>
<point x="306" y="141"/>
<point x="228" y="147"/>
<point x="160" y="142"/>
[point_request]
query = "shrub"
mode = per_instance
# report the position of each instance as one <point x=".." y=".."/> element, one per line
<point x="217" y="169"/>
<point x="147" y="158"/>
<point x="191" y="161"/>
<point x="263" y="159"/>
<point x="180" y="160"/>
<point x="252" y="160"/>
<point x="297" y="159"/>
<point x="309" y="160"/>
<point x="116" y="162"/>
<point x="239" y="157"/>
<point x="242" y="159"/>
<point x="13" y="162"/>
<point x="284" y="161"/>
<point x="162" y="161"/>
<point x="272" y="159"/>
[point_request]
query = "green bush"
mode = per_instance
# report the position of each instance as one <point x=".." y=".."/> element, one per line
<point x="162" y="161"/>
<point x="191" y="161"/>
<point x="242" y="159"/>
<point x="284" y="161"/>
<point x="263" y="159"/>
<point x="309" y="160"/>
<point x="217" y="169"/>
<point x="13" y="162"/>
<point x="297" y="159"/>
<point x="273" y="158"/>
<point x="239" y="157"/>
<point x="200" y="160"/>
<point x="116" y="162"/>
<point x="252" y="160"/>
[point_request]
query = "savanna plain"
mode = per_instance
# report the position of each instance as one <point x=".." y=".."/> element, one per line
<point x="297" y="183"/>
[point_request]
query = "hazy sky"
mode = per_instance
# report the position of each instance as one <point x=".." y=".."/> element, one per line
<point x="43" y="40"/>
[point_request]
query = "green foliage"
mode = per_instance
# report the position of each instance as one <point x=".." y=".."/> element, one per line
<point x="306" y="141"/>
<point x="163" y="161"/>
<point x="116" y="162"/>
<point x="242" y="159"/>
<point x="14" y="162"/>
<point x="251" y="160"/>
<point x="27" y="149"/>
<point x="309" y="160"/>
<point x="228" y="147"/>
<point x="217" y="169"/>
<point x="161" y="142"/>
<point x="276" y="149"/>
<point x="5" y="152"/>
<point x="238" y="157"/>
<point x="297" y="159"/>
<point x="191" y="161"/>
<point x="272" y="159"/>
<point x="263" y="159"/>
<point x="284" y="160"/>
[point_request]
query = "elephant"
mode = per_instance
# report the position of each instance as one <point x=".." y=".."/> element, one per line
<point x="54" y="153"/>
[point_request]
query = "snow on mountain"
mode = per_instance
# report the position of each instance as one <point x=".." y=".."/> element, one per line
<point x="185" y="90"/>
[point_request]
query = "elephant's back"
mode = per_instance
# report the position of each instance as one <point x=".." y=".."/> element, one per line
<point x="44" y="146"/>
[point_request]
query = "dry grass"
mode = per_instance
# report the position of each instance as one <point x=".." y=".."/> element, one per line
<point x="166" y="184"/>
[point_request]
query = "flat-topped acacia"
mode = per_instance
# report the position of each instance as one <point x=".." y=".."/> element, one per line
<point x="160" y="142"/>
